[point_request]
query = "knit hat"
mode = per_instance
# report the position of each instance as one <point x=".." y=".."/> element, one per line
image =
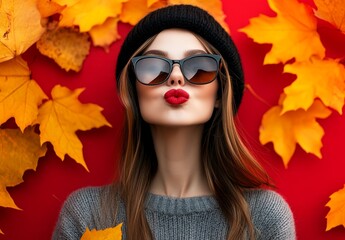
<point x="195" y="20"/>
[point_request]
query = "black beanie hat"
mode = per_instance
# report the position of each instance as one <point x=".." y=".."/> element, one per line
<point x="195" y="20"/>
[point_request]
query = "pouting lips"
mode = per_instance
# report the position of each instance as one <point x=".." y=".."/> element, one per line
<point x="176" y="96"/>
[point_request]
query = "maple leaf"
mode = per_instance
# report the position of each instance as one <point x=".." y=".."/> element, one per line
<point x="336" y="214"/>
<point x="114" y="233"/>
<point x="292" y="33"/>
<point x="66" y="46"/>
<point x="332" y="11"/>
<point x="324" y="79"/>
<point x="134" y="10"/>
<point x="16" y="34"/>
<point x="62" y="116"/>
<point x="88" y="13"/>
<point x="213" y="7"/>
<point x="19" y="96"/>
<point x="287" y="129"/>
<point x="151" y="2"/>
<point x="105" y="34"/>
<point x="48" y="8"/>
<point x="18" y="153"/>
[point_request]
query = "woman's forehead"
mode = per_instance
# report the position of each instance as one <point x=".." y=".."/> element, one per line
<point x="176" y="43"/>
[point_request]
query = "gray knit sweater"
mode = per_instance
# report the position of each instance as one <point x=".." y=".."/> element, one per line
<point x="178" y="218"/>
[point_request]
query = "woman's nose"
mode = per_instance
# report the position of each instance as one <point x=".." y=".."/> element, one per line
<point x="176" y="77"/>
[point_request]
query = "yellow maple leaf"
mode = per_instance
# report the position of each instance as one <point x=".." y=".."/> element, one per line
<point x="105" y="34"/>
<point x="114" y="233"/>
<point x="18" y="153"/>
<point x="88" y="13"/>
<point x="48" y="8"/>
<point x="213" y="7"/>
<point x="16" y="34"/>
<point x="332" y="11"/>
<point x="62" y="116"/>
<point x="288" y="129"/>
<point x="336" y="214"/>
<point x="324" y="79"/>
<point x="66" y="46"/>
<point x="134" y="10"/>
<point x="292" y="33"/>
<point x="19" y="96"/>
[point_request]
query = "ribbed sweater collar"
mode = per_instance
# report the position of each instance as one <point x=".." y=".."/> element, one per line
<point x="180" y="206"/>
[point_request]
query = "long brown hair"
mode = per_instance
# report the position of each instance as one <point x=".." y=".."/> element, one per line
<point x="229" y="166"/>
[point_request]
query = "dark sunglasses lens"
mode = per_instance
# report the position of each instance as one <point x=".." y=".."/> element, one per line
<point x="200" y="70"/>
<point x="152" y="71"/>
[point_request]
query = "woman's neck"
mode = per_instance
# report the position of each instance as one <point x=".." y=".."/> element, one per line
<point x="180" y="172"/>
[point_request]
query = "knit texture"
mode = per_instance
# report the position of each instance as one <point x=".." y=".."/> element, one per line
<point x="198" y="218"/>
<point x="195" y="20"/>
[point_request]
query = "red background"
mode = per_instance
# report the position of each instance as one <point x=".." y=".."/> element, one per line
<point x="306" y="184"/>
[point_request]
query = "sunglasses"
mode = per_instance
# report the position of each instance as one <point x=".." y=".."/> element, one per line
<point x="197" y="69"/>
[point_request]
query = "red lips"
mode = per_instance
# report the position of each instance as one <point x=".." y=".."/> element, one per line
<point x="176" y="96"/>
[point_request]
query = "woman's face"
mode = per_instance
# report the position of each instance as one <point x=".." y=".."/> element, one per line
<point x="176" y="102"/>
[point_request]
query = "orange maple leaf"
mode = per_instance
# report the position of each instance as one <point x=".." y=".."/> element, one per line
<point x="105" y="34"/>
<point x="114" y="233"/>
<point x="62" y="116"/>
<point x="66" y="46"/>
<point x="213" y="7"/>
<point x="332" y="11"/>
<point x="287" y="129"/>
<point x="336" y="214"/>
<point x="19" y="95"/>
<point x="292" y="32"/>
<point x="134" y="10"/>
<point x="16" y="34"/>
<point x="18" y="153"/>
<point x="324" y="79"/>
<point x="88" y="13"/>
<point x="151" y="2"/>
<point x="48" y="8"/>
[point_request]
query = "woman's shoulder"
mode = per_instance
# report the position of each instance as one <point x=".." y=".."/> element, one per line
<point x="82" y="209"/>
<point x="264" y="202"/>
<point x="84" y="200"/>
<point x="89" y="198"/>
<point x="263" y="196"/>
<point x="271" y="214"/>
<point x="87" y="194"/>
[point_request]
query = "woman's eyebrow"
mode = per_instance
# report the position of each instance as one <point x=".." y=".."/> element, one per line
<point x="187" y="53"/>
<point x="194" y="52"/>
<point x="156" y="52"/>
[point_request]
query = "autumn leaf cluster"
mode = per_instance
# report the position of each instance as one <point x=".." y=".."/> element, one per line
<point x="320" y="80"/>
<point x="319" y="84"/>
<point x="58" y="119"/>
<point x="38" y="118"/>
<point x="71" y="24"/>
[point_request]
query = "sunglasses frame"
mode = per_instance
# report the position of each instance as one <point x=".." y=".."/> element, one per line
<point x="171" y="63"/>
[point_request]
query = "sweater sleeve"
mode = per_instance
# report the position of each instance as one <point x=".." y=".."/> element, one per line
<point x="271" y="215"/>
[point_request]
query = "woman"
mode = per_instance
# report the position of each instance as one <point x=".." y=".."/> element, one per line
<point x="184" y="172"/>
